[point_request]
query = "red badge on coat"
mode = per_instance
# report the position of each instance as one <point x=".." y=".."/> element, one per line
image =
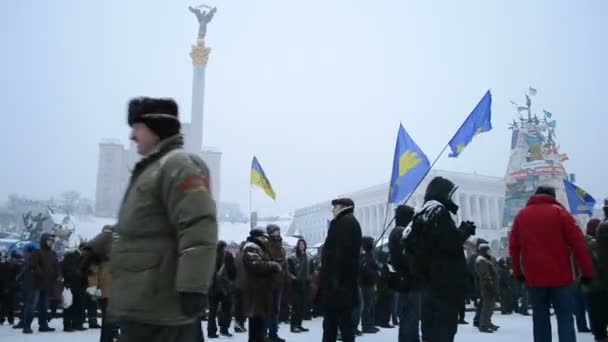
<point x="194" y="183"/>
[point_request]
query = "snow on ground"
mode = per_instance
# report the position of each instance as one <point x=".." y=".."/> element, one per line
<point x="513" y="328"/>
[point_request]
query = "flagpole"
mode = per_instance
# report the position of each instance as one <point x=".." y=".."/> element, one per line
<point x="386" y="226"/>
<point x="250" y="209"/>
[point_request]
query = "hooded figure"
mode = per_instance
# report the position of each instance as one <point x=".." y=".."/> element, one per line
<point x="43" y="268"/>
<point x="300" y="276"/>
<point x="445" y="267"/>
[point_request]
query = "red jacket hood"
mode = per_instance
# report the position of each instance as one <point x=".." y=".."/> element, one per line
<point x="543" y="199"/>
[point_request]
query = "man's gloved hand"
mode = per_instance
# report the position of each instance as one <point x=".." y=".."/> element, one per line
<point x="191" y="303"/>
<point x="468" y="227"/>
<point x="276" y="267"/>
<point x="586" y="280"/>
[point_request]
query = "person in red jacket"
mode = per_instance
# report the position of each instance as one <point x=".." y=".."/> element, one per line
<point x="543" y="240"/>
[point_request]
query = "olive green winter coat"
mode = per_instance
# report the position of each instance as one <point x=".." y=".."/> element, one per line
<point x="165" y="238"/>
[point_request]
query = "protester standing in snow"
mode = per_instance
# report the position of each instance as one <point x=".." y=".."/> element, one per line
<point x="441" y="260"/>
<point x="542" y="241"/>
<point x="487" y="276"/>
<point x="340" y="271"/>
<point x="163" y="253"/>
<point x="257" y="293"/>
<point x="300" y="276"/>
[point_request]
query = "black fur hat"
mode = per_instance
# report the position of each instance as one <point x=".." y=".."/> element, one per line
<point x="347" y="202"/>
<point x="403" y="215"/>
<point x="160" y="115"/>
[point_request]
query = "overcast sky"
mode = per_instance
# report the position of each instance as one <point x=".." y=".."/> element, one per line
<point x="315" y="89"/>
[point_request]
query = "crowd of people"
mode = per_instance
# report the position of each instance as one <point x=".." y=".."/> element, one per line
<point x="161" y="270"/>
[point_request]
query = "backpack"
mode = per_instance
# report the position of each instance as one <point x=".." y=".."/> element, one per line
<point x="407" y="258"/>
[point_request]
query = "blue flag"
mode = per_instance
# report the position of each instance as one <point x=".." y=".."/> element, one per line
<point x="479" y="121"/>
<point x="410" y="165"/>
<point x="579" y="200"/>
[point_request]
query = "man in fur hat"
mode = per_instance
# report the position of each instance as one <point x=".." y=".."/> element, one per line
<point x="163" y="253"/>
<point x="340" y="271"/>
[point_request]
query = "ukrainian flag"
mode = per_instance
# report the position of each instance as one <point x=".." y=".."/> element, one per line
<point x="258" y="177"/>
<point x="479" y="121"/>
<point x="410" y="165"/>
<point x="579" y="200"/>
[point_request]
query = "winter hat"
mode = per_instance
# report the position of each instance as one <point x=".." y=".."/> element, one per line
<point x="271" y="228"/>
<point x="484" y="247"/>
<point x="480" y="242"/>
<point x="592" y="227"/>
<point x="257" y="232"/>
<point x="346" y="202"/>
<point x="606" y="203"/>
<point x="441" y="190"/>
<point x="367" y="243"/>
<point x="160" y="115"/>
<point x="546" y="190"/>
<point x="403" y="215"/>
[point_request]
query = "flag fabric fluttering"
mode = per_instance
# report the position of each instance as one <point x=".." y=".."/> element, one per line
<point x="479" y="121"/>
<point x="532" y="91"/>
<point x="579" y="200"/>
<point x="258" y="177"/>
<point x="548" y="114"/>
<point x="410" y="165"/>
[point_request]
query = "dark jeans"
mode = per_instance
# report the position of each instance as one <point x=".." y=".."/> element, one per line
<point x="562" y="299"/>
<point x="7" y="308"/>
<point x="461" y="312"/>
<point x="580" y="309"/>
<point x="409" y="316"/>
<point x="395" y="308"/>
<point x="598" y="313"/>
<point x="36" y="299"/>
<point x="343" y="320"/>
<point x="239" y="315"/>
<point x="506" y="300"/>
<point x="109" y="330"/>
<point x="272" y="323"/>
<point x="439" y="319"/>
<point x="257" y="329"/>
<point x="368" y="317"/>
<point x="73" y="316"/>
<point x="384" y="307"/>
<point x="478" y="306"/>
<point x="298" y="304"/>
<point x="91" y="306"/>
<point x="138" y="332"/>
<point x="357" y="309"/>
<point x="220" y="307"/>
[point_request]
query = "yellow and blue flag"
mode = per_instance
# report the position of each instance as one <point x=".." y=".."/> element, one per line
<point x="410" y="165"/>
<point x="479" y="121"/>
<point x="258" y="177"/>
<point x="579" y="200"/>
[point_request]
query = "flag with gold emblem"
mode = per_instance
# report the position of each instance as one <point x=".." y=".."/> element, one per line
<point x="479" y="121"/>
<point x="579" y="200"/>
<point x="410" y="165"/>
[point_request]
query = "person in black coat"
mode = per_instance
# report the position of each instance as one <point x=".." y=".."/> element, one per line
<point x="370" y="271"/>
<point x="220" y="294"/>
<point x="9" y="271"/>
<point x="74" y="280"/>
<point x="445" y="266"/>
<point x="340" y="271"/>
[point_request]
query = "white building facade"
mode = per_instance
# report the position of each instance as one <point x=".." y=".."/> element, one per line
<point x="480" y="198"/>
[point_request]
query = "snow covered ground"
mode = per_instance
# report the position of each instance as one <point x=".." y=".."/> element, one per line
<point x="513" y="328"/>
